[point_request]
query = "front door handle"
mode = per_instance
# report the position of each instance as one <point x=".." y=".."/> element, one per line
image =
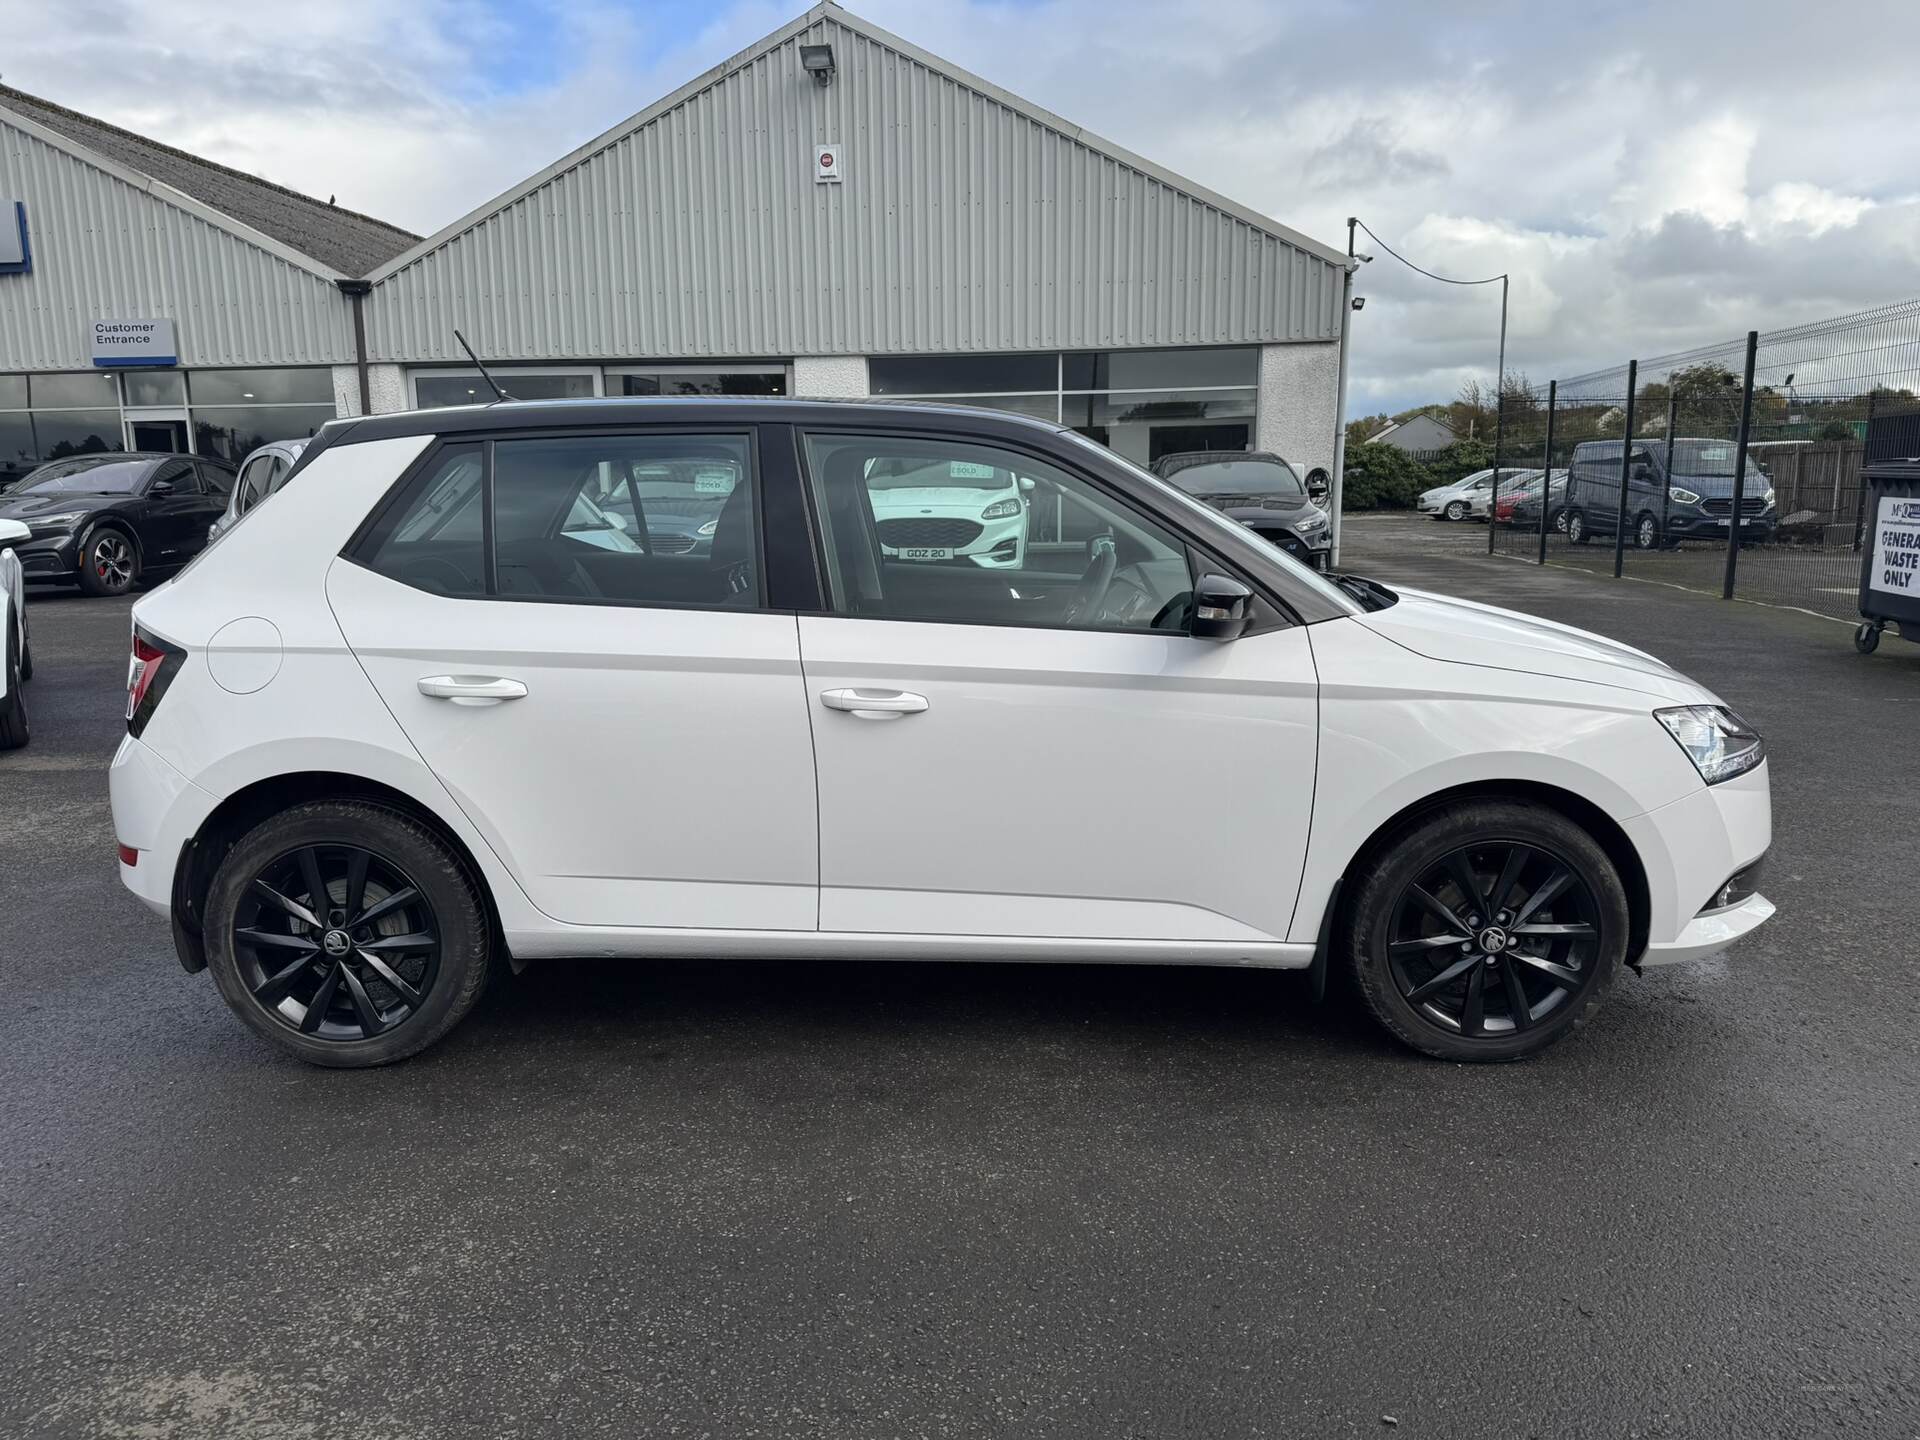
<point x="472" y="689"/>
<point x="874" y="704"/>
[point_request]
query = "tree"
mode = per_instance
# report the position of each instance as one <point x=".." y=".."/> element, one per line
<point x="1380" y="477"/>
<point x="1364" y="428"/>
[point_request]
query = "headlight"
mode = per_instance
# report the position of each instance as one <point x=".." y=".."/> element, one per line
<point x="1001" y="510"/>
<point x="1311" y="521"/>
<point x="1769" y="495"/>
<point x="710" y="526"/>
<point x="56" y="524"/>
<point x="1720" y="744"/>
<point x="1682" y="497"/>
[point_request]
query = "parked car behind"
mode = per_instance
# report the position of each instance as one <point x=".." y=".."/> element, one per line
<point x="1263" y="492"/>
<point x="1467" y="498"/>
<point x="1520" y="506"/>
<point x="380" y="749"/>
<point x="1694" y="501"/>
<point x="263" y="471"/>
<point x="106" y="521"/>
<point x="16" y="656"/>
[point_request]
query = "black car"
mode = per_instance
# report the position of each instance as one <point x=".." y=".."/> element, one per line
<point x="1261" y="491"/>
<point x="107" y="520"/>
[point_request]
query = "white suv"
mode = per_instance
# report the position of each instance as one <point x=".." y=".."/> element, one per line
<point x="416" y="723"/>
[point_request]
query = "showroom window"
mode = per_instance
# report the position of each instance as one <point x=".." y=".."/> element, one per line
<point x="437" y="389"/>
<point x="1145" y="404"/>
<point x="433" y="389"/>
<point x="673" y="380"/>
<point x="235" y="412"/>
<point x="49" y="417"/>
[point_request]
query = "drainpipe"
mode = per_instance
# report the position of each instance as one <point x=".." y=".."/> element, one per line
<point x="357" y="291"/>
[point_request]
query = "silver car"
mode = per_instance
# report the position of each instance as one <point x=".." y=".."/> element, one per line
<point x="262" y="473"/>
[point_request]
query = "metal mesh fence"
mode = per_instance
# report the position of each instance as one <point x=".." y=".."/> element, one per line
<point x="1636" y="470"/>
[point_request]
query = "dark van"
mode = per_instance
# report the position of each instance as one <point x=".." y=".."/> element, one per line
<point x="1693" y="502"/>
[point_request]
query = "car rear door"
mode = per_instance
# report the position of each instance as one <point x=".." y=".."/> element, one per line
<point x="627" y="728"/>
<point x="173" y="503"/>
<point x="1003" y="752"/>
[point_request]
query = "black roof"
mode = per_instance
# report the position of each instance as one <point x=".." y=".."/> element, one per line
<point x="342" y="240"/>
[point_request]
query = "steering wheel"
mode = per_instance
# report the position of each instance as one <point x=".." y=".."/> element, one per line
<point x="1091" y="593"/>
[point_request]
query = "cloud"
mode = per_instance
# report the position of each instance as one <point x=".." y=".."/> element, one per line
<point x="1654" y="177"/>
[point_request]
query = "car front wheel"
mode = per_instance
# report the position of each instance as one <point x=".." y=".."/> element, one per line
<point x="14" y="731"/>
<point x="347" y="933"/>
<point x="1576" y="528"/>
<point x="1456" y="510"/>
<point x="109" y="564"/>
<point x="1487" y="931"/>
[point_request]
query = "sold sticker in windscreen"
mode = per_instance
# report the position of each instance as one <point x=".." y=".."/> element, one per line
<point x="1896" y="548"/>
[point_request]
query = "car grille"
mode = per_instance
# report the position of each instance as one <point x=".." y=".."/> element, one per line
<point x="669" y="544"/>
<point x="910" y="534"/>
<point x="1749" y="505"/>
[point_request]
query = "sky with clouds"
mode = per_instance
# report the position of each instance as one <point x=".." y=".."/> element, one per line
<point x="1654" y="175"/>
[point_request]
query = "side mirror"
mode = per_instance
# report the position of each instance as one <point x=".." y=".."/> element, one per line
<point x="1221" y="608"/>
<point x="1026" y="485"/>
<point x="160" y="487"/>
<point x="12" y="532"/>
<point x="1317" y="486"/>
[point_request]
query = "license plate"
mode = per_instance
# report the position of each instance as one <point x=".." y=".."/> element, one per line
<point x="926" y="552"/>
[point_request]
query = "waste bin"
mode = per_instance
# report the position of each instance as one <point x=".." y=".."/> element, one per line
<point x="1890" y="553"/>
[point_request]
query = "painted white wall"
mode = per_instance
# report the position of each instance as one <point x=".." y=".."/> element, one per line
<point x="1299" y="402"/>
<point x="830" y="377"/>
<point x="346" y="390"/>
<point x="388" y="386"/>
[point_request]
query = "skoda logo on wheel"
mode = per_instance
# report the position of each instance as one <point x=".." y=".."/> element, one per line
<point x="1493" y="940"/>
<point x="336" y="943"/>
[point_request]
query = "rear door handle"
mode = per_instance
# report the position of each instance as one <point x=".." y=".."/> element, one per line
<point x="874" y="704"/>
<point x="472" y="689"/>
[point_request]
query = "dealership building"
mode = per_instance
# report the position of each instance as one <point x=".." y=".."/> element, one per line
<point x="831" y="212"/>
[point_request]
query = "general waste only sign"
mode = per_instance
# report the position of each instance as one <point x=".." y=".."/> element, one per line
<point x="1896" y="548"/>
<point x="134" y="342"/>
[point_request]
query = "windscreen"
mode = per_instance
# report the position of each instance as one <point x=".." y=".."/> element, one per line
<point x="82" y="477"/>
<point x="1238" y="476"/>
<point x="1708" y="457"/>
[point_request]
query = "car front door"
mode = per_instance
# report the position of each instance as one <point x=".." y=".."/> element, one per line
<point x="174" y="501"/>
<point x="1040" y="749"/>
<point x="626" y="727"/>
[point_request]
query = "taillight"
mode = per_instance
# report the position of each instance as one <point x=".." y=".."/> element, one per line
<point x="149" y="672"/>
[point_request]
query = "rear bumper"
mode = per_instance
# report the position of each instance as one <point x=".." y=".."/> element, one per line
<point x="156" y="811"/>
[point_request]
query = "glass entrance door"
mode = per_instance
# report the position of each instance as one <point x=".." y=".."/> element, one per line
<point x="166" y="435"/>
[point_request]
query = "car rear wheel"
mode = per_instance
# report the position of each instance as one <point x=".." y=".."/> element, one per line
<point x="1559" y="521"/>
<point x="347" y="933"/>
<point x="14" y="730"/>
<point x="109" y="564"/>
<point x="1456" y="510"/>
<point x="1487" y="931"/>
<point x="1646" y="532"/>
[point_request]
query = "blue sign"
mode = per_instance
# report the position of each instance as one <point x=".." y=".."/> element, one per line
<point x="16" y="257"/>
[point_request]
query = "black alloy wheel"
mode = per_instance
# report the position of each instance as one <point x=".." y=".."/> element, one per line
<point x="1486" y="930"/>
<point x="337" y="942"/>
<point x="347" y="932"/>
<point x="109" y="564"/>
<point x="1492" y="939"/>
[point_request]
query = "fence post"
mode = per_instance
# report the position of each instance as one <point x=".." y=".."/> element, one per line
<point x="1740" y="466"/>
<point x="1626" y="453"/>
<point x="1860" y="482"/>
<point x="1546" y="470"/>
<point x="1666" y="491"/>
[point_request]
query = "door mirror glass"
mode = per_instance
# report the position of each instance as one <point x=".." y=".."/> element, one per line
<point x="1026" y="485"/>
<point x="1221" y="608"/>
<point x="161" y="487"/>
<point x="1317" y="487"/>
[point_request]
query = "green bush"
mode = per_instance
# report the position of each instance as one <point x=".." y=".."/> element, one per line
<point x="1379" y="477"/>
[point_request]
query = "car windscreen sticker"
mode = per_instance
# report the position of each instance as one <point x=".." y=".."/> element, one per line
<point x="713" y="482"/>
<point x="968" y="470"/>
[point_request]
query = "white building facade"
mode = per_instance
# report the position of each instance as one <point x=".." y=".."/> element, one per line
<point x="831" y="212"/>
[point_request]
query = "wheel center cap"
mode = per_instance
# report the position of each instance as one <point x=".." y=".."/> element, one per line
<point x="336" y="943"/>
<point x="1493" y="940"/>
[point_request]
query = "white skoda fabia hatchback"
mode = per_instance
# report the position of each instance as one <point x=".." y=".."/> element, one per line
<point x="415" y="720"/>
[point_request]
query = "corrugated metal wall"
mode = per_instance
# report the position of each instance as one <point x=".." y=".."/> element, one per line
<point x="103" y="248"/>
<point x="961" y="225"/>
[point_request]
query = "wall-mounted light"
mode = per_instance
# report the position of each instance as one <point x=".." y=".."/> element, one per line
<point x="817" y="61"/>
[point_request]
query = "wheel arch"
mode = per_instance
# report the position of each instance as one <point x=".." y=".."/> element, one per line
<point x="1605" y="830"/>
<point x="239" y="812"/>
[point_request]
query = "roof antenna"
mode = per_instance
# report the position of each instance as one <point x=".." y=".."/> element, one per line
<point x="481" y="368"/>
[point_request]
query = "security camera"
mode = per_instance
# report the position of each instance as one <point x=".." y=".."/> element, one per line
<point x="1359" y="302"/>
<point x="1364" y="259"/>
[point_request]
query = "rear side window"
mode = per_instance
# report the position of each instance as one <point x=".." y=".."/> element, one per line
<point x="647" y="520"/>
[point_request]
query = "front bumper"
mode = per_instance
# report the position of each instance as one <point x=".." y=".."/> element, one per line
<point x="1689" y="849"/>
<point x="50" y="557"/>
<point x="1711" y="932"/>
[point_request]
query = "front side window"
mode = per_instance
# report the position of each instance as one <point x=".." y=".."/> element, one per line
<point x="940" y="529"/>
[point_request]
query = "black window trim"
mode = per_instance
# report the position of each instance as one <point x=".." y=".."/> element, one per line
<point x="485" y="441"/>
<point x="1277" y="614"/>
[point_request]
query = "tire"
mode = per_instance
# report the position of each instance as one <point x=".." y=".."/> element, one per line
<point x="1561" y="977"/>
<point x="1646" y="532"/>
<point x="403" y="854"/>
<point x="26" y="659"/>
<point x="14" y="730"/>
<point x="1456" y="510"/>
<point x="1867" y="638"/>
<point x="1577" y="528"/>
<point x="1559" y="521"/>
<point x="109" y="562"/>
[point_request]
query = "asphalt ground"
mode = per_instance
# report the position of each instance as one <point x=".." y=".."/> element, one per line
<point x="854" y="1199"/>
